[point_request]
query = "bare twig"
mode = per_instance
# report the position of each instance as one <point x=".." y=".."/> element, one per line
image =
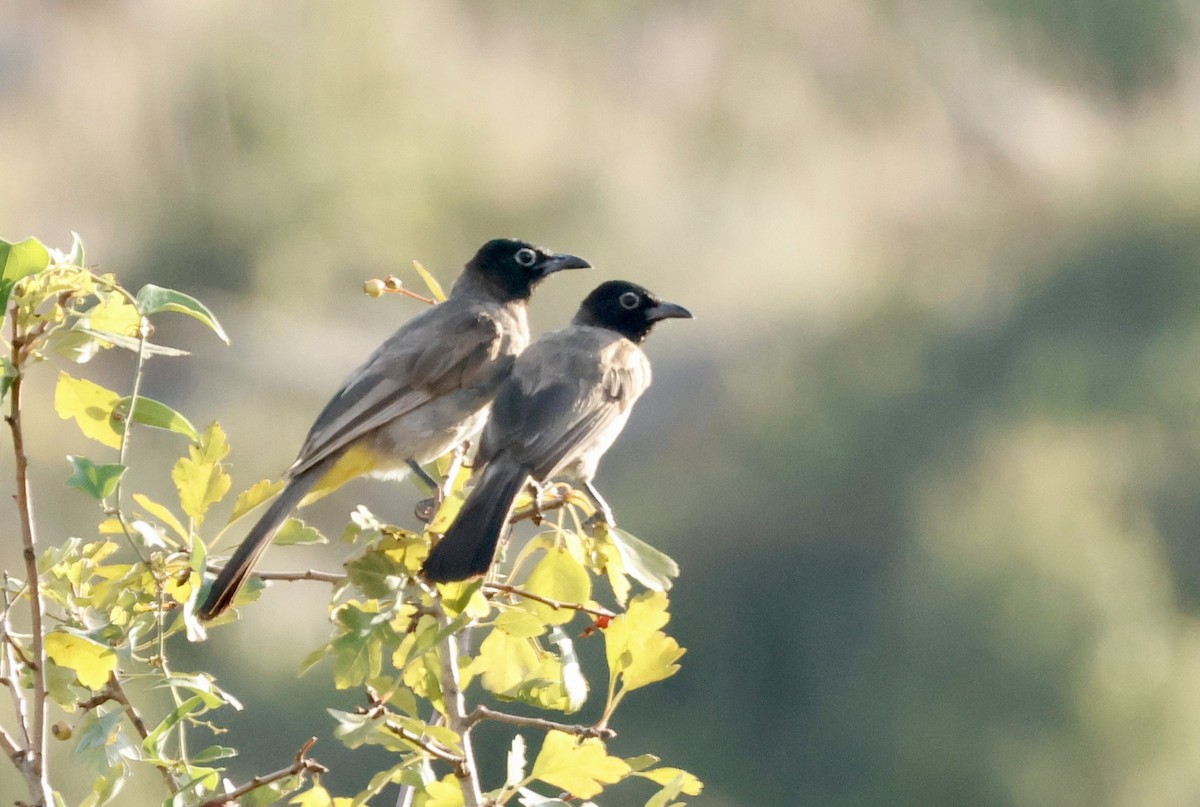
<point x="302" y="764"/>
<point x="310" y="574"/>
<point x="117" y="693"/>
<point x="435" y="751"/>
<point x="503" y="588"/>
<point x="34" y="762"/>
<point x="484" y="713"/>
<point x="456" y="715"/>
<point x="10" y="747"/>
<point x="127" y="430"/>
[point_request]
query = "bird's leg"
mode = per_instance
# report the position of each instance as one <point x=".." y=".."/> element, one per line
<point x="603" y="514"/>
<point x="426" y="507"/>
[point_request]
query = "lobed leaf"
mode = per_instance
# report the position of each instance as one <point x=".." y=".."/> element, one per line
<point x="558" y="576"/>
<point x="90" y="406"/>
<point x="91" y="661"/>
<point x="580" y="767"/>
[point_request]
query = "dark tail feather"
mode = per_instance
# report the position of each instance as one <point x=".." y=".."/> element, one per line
<point x="238" y="568"/>
<point x="468" y="546"/>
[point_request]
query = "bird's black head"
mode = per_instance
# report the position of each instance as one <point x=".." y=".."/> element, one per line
<point x="627" y="308"/>
<point x="513" y="268"/>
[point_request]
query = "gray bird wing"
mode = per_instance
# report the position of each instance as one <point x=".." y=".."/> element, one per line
<point x="567" y="394"/>
<point x="444" y="349"/>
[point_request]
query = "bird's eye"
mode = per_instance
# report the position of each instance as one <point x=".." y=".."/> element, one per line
<point x="526" y="256"/>
<point x="629" y="300"/>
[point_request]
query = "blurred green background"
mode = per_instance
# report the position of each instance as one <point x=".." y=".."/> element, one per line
<point x="929" y="456"/>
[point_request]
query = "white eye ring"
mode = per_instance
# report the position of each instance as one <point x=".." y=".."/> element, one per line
<point x="629" y="300"/>
<point x="525" y="256"/>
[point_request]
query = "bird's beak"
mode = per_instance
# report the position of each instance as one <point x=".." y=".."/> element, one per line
<point x="667" y="311"/>
<point x="560" y="260"/>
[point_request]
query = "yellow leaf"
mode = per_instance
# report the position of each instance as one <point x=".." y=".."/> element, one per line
<point x="635" y="647"/>
<point x="113" y="314"/>
<point x="431" y="283"/>
<point x="253" y="496"/>
<point x="445" y="792"/>
<point x="315" y="796"/>
<point x="91" y="661"/>
<point x="90" y="405"/>
<point x="200" y="477"/>
<point x="690" y="785"/>
<point x="505" y="662"/>
<point x="447" y="512"/>
<point x="161" y="513"/>
<point x="577" y="767"/>
<point x="558" y="577"/>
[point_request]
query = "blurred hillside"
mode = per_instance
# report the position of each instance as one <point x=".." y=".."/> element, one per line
<point x="929" y="455"/>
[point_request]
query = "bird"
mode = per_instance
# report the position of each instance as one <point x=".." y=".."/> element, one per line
<point x="558" y="412"/>
<point x="424" y="391"/>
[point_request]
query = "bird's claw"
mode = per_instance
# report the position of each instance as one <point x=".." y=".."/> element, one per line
<point x="426" y="509"/>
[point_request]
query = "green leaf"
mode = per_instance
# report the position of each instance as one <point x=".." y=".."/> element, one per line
<point x="253" y="496"/>
<point x="559" y="577"/>
<point x="153" y="299"/>
<point x="98" y="481"/>
<point x="199" y="477"/>
<point x="90" y="405"/>
<point x="214" y="753"/>
<point x="376" y="574"/>
<point x="295" y="532"/>
<point x="91" y="661"/>
<point x="132" y="343"/>
<point x="153" y="744"/>
<point x="650" y="567"/>
<point x="581" y="768"/>
<point x="8" y="373"/>
<point x="435" y="288"/>
<point x="158" y="415"/>
<point x="19" y="260"/>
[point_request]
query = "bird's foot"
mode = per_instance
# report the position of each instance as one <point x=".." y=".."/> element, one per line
<point x="598" y="519"/>
<point x="426" y="509"/>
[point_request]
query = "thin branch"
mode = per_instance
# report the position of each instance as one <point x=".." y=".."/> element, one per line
<point x="558" y="605"/>
<point x="9" y="662"/>
<point x="311" y="574"/>
<point x="482" y="713"/>
<point x="435" y="751"/>
<point x="37" y="773"/>
<point x="117" y="693"/>
<point x="302" y="764"/>
<point x="14" y="751"/>
<point x="456" y="715"/>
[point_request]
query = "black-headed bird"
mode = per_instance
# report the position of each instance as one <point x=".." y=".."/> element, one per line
<point x="564" y="404"/>
<point x="421" y="393"/>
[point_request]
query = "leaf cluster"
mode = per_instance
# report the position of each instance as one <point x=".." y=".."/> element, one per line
<point x="116" y="601"/>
